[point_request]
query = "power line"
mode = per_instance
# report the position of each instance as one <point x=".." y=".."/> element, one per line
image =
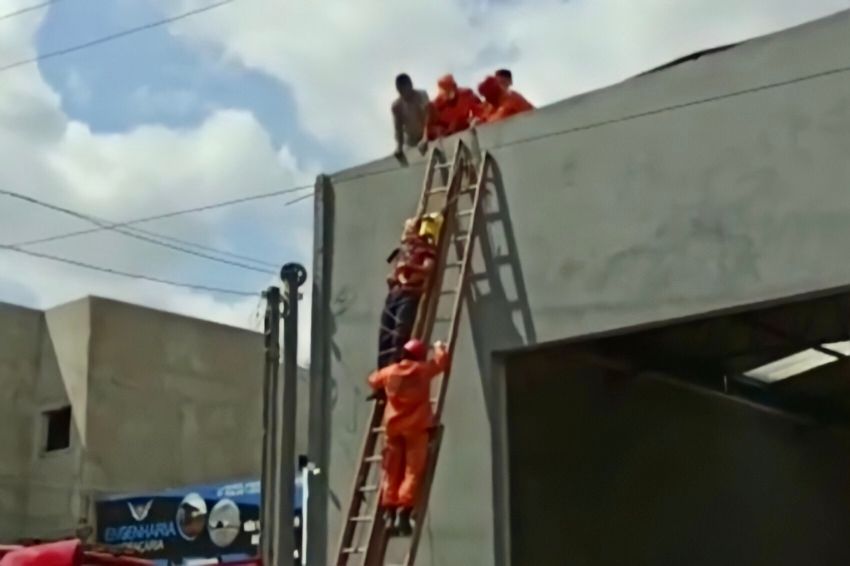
<point x="27" y="9"/>
<point x="126" y="273"/>
<point x="114" y="36"/>
<point x="152" y="240"/>
<point x="165" y="215"/>
<point x="378" y="172"/>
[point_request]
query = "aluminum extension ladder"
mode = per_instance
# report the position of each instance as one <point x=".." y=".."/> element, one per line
<point x="456" y="190"/>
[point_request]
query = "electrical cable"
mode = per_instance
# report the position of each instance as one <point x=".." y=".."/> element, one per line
<point x="165" y="215"/>
<point x="586" y="127"/>
<point x="127" y="274"/>
<point x="27" y="9"/>
<point x="128" y="233"/>
<point x="113" y="36"/>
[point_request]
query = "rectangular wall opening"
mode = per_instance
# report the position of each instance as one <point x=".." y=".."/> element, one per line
<point x="57" y="427"/>
<point x="719" y="440"/>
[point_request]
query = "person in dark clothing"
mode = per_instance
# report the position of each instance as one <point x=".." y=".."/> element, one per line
<point x="414" y="261"/>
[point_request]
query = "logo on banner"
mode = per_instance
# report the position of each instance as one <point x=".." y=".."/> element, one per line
<point x="140" y="511"/>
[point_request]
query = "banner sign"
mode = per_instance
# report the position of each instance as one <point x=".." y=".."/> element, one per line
<point x="205" y="521"/>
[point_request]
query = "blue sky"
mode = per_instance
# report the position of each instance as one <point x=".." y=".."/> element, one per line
<point x="155" y="77"/>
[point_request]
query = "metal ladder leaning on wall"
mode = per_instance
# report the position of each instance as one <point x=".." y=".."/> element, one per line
<point x="455" y="190"/>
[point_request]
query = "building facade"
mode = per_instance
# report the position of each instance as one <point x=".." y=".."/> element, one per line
<point x="102" y="398"/>
<point x="718" y="181"/>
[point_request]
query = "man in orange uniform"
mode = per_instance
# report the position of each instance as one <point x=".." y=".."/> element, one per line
<point x="454" y="108"/>
<point x="501" y="103"/>
<point x="407" y="419"/>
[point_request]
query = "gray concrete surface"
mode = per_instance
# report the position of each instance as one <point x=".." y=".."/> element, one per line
<point x="608" y="469"/>
<point x="716" y="182"/>
<point x="158" y="400"/>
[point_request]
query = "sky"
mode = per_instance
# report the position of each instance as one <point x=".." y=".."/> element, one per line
<point x="257" y="96"/>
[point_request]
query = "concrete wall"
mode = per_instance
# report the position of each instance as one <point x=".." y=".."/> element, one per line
<point x="172" y="401"/>
<point x="55" y="500"/>
<point x="608" y="469"/>
<point x="21" y="332"/>
<point x="676" y="192"/>
<point x="158" y="401"/>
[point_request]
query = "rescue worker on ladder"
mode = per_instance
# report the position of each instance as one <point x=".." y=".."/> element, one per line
<point x="414" y="262"/>
<point x="408" y="420"/>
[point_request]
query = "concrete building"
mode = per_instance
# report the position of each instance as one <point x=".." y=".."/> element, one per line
<point x="715" y="182"/>
<point x="100" y="397"/>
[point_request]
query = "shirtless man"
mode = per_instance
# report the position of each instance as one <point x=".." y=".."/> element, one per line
<point x="411" y="115"/>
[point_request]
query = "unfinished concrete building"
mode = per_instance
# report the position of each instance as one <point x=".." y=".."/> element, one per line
<point x="101" y="397"/>
<point x="650" y="249"/>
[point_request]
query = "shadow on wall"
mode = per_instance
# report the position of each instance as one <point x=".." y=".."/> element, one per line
<point x="499" y="312"/>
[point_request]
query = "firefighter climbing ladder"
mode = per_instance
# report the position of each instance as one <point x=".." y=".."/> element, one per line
<point x="454" y="189"/>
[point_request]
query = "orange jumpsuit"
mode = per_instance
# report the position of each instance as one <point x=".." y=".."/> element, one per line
<point x="407" y="419"/>
<point x="454" y="115"/>
<point x="501" y="104"/>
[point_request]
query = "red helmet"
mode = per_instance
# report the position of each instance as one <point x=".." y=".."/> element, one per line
<point x="415" y="349"/>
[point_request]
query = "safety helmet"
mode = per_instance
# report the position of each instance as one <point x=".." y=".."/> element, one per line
<point x="429" y="226"/>
<point x="415" y="349"/>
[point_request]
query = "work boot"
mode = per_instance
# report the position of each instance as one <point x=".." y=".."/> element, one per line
<point x="403" y="526"/>
<point x="390" y="520"/>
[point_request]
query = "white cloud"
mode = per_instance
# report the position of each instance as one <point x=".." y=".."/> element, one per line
<point x="147" y="170"/>
<point x="339" y="57"/>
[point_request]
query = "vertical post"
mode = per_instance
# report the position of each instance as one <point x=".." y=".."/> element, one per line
<point x="318" y="448"/>
<point x="293" y="276"/>
<point x="270" y="384"/>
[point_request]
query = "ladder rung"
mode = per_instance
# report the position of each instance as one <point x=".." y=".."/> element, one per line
<point x="454" y="264"/>
<point x="373" y="459"/>
<point x="443" y="165"/>
<point x="368" y="489"/>
<point x="354" y="550"/>
<point x="467" y="212"/>
<point x="448" y="292"/>
<point x="361" y="519"/>
<point x="442" y="319"/>
<point x="438" y="191"/>
<point x="379" y="429"/>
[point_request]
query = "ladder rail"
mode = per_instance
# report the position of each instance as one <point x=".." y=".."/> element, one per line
<point x="437" y="434"/>
<point x="378" y="538"/>
<point x="427" y="307"/>
<point x="370" y="440"/>
<point x="459" y="297"/>
<point x="364" y="515"/>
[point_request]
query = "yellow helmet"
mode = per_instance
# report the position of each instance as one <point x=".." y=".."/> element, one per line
<point x="429" y="226"/>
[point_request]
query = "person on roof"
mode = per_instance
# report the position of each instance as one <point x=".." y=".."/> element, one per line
<point x="411" y="115"/>
<point x="408" y="419"/>
<point x="505" y="78"/>
<point x="454" y="108"/>
<point x="414" y="261"/>
<point x="501" y="103"/>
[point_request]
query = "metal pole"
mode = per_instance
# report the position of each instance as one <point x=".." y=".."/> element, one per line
<point x="293" y="276"/>
<point x="270" y="374"/>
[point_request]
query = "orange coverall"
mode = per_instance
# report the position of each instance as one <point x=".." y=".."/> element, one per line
<point x="453" y="113"/>
<point x="407" y="419"/>
<point x="501" y="104"/>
